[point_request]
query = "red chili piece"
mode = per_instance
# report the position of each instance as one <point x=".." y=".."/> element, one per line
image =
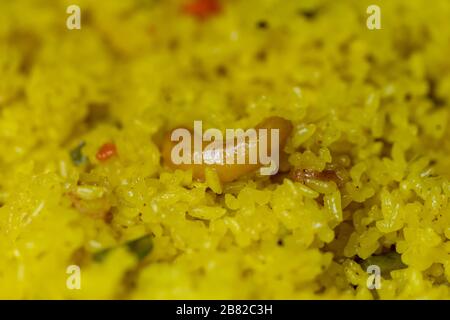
<point x="106" y="151"/>
<point x="203" y="9"/>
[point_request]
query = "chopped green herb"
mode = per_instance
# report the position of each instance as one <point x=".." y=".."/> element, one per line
<point x="387" y="262"/>
<point x="141" y="247"/>
<point x="101" y="255"/>
<point x="77" y="156"/>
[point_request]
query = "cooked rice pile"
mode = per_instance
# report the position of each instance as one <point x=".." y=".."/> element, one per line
<point x="373" y="105"/>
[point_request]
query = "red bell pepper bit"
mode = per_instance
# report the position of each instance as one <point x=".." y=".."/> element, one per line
<point x="106" y="151"/>
<point x="203" y="9"/>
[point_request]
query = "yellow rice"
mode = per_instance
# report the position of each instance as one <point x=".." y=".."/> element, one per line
<point x="374" y="101"/>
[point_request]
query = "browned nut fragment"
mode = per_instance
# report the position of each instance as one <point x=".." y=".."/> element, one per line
<point x="303" y="175"/>
<point x="96" y="208"/>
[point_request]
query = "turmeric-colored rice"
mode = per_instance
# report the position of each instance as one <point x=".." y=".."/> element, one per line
<point x="372" y="105"/>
